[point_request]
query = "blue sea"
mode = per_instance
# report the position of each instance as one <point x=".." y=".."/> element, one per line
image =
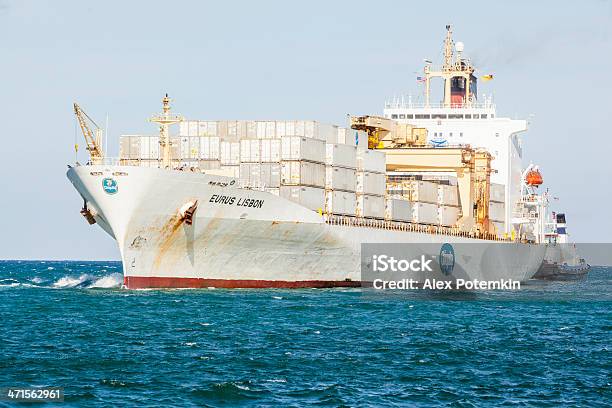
<point x="70" y="324"/>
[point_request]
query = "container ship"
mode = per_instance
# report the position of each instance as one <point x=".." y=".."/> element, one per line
<point x="289" y="203"/>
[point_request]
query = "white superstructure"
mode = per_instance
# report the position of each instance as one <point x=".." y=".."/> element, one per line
<point x="460" y="119"/>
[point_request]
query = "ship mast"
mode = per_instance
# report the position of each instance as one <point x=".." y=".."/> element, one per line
<point x="165" y="119"/>
<point x="457" y="74"/>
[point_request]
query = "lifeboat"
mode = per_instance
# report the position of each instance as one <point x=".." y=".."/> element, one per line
<point x="534" y="178"/>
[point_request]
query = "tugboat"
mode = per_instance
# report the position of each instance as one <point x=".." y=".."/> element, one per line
<point x="561" y="260"/>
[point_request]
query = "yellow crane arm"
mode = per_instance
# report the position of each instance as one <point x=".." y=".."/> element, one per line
<point x="91" y="140"/>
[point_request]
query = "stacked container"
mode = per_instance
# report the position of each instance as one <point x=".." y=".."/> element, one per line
<point x="497" y="206"/>
<point x="370" y="183"/>
<point x="340" y="164"/>
<point x="398" y="209"/>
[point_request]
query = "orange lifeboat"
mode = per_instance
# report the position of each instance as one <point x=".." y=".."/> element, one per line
<point x="534" y="178"/>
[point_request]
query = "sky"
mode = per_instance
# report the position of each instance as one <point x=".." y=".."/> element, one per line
<point x="315" y="60"/>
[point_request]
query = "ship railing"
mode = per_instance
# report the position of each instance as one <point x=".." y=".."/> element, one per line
<point x="400" y="104"/>
<point x="349" y="221"/>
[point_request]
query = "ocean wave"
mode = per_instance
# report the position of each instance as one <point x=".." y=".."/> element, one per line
<point x="89" y="281"/>
<point x="114" y="280"/>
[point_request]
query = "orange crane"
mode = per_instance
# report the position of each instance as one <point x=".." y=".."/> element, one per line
<point x="92" y="139"/>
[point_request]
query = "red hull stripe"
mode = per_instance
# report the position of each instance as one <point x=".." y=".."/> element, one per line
<point x="143" y="282"/>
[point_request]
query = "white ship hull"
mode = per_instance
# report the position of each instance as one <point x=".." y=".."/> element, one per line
<point x="256" y="239"/>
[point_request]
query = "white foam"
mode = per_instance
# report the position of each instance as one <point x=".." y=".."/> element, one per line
<point x="37" y="280"/>
<point x="113" y="280"/>
<point x="71" y="282"/>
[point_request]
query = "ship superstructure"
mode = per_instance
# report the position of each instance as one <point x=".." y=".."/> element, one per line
<point x="461" y="118"/>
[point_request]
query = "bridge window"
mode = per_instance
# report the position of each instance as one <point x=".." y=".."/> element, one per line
<point x="402" y="116"/>
<point x="451" y="134"/>
<point x="468" y="116"/>
<point x="410" y="116"/>
<point x="421" y="117"/>
<point x="394" y="116"/>
<point x="461" y="134"/>
<point x="455" y="116"/>
<point x="483" y="116"/>
<point x="475" y="116"/>
<point x="438" y="116"/>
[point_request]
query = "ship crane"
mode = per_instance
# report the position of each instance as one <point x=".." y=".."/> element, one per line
<point x="93" y="139"/>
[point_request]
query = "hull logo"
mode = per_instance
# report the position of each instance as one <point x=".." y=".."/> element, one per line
<point x="110" y="186"/>
<point x="447" y="259"/>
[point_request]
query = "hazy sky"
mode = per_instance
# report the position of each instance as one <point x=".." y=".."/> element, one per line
<point x="285" y="60"/>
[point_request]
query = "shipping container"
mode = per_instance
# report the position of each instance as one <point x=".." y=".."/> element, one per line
<point x="448" y="195"/>
<point x="310" y="197"/>
<point x="340" y="155"/>
<point x="270" y="150"/>
<point x="227" y="171"/>
<point x="302" y="173"/>
<point x="416" y="190"/>
<point x="370" y="206"/>
<point x="448" y="215"/>
<point x="340" y="202"/>
<point x="398" y="210"/>
<point x="498" y="193"/>
<point x="371" y="160"/>
<point x="352" y="137"/>
<point x="302" y="148"/>
<point x="230" y="153"/>
<point x="204" y="164"/>
<point x="370" y="183"/>
<point x="340" y="178"/>
<point x="328" y="132"/>
<point x="250" y="151"/>
<point x="497" y="211"/>
<point x="209" y="148"/>
<point x="260" y="174"/>
<point x="424" y="213"/>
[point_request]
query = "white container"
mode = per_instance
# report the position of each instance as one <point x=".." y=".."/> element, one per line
<point x="193" y="128"/>
<point x="270" y="150"/>
<point x="274" y="191"/>
<point x="448" y="195"/>
<point x="371" y="160"/>
<point x="398" y="210"/>
<point x="448" y="216"/>
<point x="352" y="137"/>
<point x="154" y="148"/>
<point x="370" y="206"/>
<point x="340" y="178"/>
<point x="144" y="148"/>
<point x="209" y="148"/>
<point x="250" y="151"/>
<point x="328" y="132"/>
<point x="340" y="155"/>
<point x="497" y="211"/>
<point x="340" y="202"/>
<point x="302" y="173"/>
<point x="422" y="191"/>
<point x="227" y="171"/>
<point x="371" y="183"/>
<point x="230" y="153"/>
<point x="310" y="197"/>
<point x="302" y="148"/>
<point x="497" y="193"/>
<point x="424" y="213"/>
<point x="260" y="174"/>
<point x="207" y="128"/>
<point x="203" y="164"/>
